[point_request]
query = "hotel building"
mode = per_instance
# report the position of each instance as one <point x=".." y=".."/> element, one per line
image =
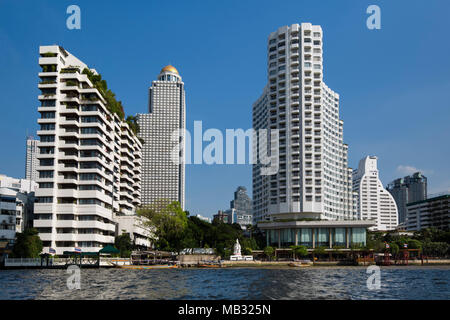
<point x="373" y="202"/>
<point x="89" y="158"/>
<point x="313" y="180"/>
<point x="163" y="175"/>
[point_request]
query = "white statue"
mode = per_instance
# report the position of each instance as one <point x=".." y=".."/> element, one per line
<point x="237" y="248"/>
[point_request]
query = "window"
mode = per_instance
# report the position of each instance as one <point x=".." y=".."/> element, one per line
<point x="46" y="150"/>
<point x="44" y="199"/>
<point x="47" y="138"/>
<point x="46" y="174"/>
<point x="46" y="185"/>
<point x="47" y="115"/>
<point x="47" y="126"/>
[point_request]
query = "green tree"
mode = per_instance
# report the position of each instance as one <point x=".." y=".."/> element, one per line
<point x="414" y="244"/>
<point x="436" y="249"/>
<point x="394" y="248"/>
<point x="269" y="252"/>
<point x="319" y="251"/>
<point x="169" y="222"/>
<point x="299" y="251"/>
<point x="27" y="244"/>
<point x="124" y="244"/>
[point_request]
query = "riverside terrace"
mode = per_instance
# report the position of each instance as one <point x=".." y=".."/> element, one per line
<point x="285" y="230"/>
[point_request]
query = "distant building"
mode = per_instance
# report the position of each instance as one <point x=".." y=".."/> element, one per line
<point x="406" y="190"/>
<point x="206" y="219"/>
<point x="31" y="161"/>
<point x="430" y="213"/>
<point x="241" y="208"/>
<point x="221" y="217"/>
<point x="16" y="206"/>
<point x="373" y="202"/>
<point x="241" y="218"/>
<point x="134" y="225"/>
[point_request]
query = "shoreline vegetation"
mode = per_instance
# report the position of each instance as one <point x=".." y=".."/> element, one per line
<point x="175" y="231"/>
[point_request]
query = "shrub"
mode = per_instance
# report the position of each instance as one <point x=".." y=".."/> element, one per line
<point x="269" y="252"/>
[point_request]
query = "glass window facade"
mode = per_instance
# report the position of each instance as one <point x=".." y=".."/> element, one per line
<point x="358" y="236"/>
<point x="287" y="237"/>
<point x="340" y="237"/>
<point x="305" y="237"/>
<point x="321" y="237"/>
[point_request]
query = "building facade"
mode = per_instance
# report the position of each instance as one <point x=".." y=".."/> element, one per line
<point x="16" y="206"/>
<point x="135" y="226"/>
<point x="31" y="159"/>
<point x="406" y="190"/>
<point x="241" y="207"/>
<point x="313" y="176"/>
<point x="221" y="216"/>
<point x="373" y="202"/>
<point x="89" y="157"/>
<point x="430" y="213"/>
<point x="163" y="153"/>
<point x="286" y="230"/>
<point x="241" y="218"/>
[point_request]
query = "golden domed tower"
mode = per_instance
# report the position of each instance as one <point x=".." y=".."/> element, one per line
<point x="169" y="73"/>
<point x="163" y="177"/>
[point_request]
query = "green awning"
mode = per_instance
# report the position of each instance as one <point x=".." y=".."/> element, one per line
<point x="73" y="253"/>
<point x="109" y="249"/>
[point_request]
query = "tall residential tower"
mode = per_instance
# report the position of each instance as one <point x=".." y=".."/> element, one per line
<point x="313" y="178"/>
<point x="164" y="175"/>
<point x="89" y="157"/>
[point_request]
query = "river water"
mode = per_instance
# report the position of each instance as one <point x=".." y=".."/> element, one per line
<point x="232" y="283"/>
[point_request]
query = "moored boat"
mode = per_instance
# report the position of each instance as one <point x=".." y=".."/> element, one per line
<point x="209" y="266"/>
<point x="145" y="267"/>
<point x="298" y="264"/>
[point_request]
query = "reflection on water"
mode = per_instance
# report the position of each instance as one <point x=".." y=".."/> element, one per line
<point x="243" y="283"/>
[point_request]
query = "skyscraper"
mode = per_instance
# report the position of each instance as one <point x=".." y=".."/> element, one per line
<point x="163" y="175"/>
<point x="373" y="202"/>
<point x="313" y="178"/>
<point x="240" y="208"/>
<point x="31" y="159"/>
<point x="89" y="157"/>
<point x="406" y="190"/>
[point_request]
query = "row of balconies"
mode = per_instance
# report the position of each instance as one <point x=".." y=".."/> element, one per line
<point x="76" y="237"/>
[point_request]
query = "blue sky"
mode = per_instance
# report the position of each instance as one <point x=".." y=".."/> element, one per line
<point x="394" y="83"/>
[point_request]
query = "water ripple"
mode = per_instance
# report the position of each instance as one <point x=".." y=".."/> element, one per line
<point x="242" y="283"/>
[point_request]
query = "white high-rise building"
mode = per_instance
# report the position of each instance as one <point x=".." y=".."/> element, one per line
<point x="31" y="159"/>
<point x="373" y="202"/>
<point x="313" y="178"/>
<point x="89" y="157"/>
<point x="163" y="176"/>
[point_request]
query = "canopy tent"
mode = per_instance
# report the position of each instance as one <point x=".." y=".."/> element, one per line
<point x="109" y="249"/>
